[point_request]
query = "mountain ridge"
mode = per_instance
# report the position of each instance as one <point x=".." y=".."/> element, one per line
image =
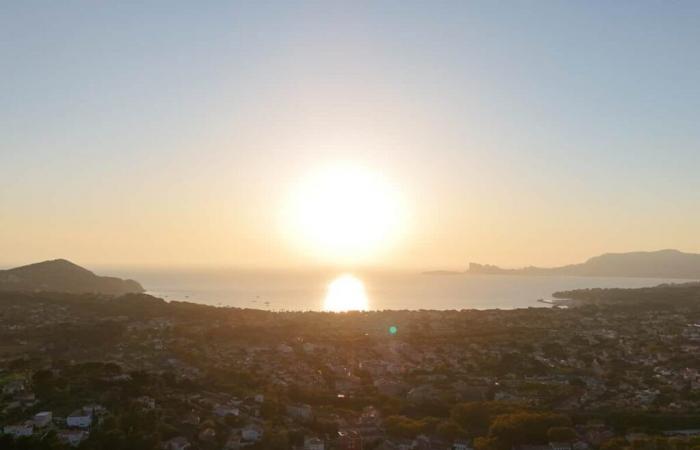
<point x="61" y="275"/>
<point x="667" y="263"/>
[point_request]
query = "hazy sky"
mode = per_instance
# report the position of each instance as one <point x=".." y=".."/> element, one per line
<point x="522" y="132"/>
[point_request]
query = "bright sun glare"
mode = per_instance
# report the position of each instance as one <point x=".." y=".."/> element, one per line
<point x="346" y="293"/>
<point x="346" y="213"/>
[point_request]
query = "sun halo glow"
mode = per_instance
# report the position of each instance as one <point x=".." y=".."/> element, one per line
<point x="346" y="214"/>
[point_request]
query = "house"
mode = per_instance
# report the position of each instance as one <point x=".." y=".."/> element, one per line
<point x="531" y="447"/>
<point x="389" y="387"/>
<point x="685" y="433"/>
<point x="72" y="437"/>
<point x="397" y="444"/>
<point x="226" y="410"/>
<point x="13" y="387"/>
<point x="423" y="393"/>
<point x="423" y="442"/>
<point x="42" y="419"/>
<point x="560" y="446"/>
<point x="94" y="409"/>
<point x="462" y="444"/>
<point x="26" y="399"/>
<point x="284" y="348"/>
<point x="177" y="443"/>
<point x="207" y="435"/>
<point x="79" y="419"/>
<point x="19" y="430"/>
<point x="252" y="433"/>
<point x="313" y="443"/>
<point x="233" y="442"/>
<point x="348" y="440"/>
<point x="146" y="402"/>
<point x="300" y="412"/>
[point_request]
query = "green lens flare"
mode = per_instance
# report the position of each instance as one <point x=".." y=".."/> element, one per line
<point x="393" y="329"/>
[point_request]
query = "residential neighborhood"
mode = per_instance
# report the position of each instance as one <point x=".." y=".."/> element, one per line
<point x="149" y="374"/>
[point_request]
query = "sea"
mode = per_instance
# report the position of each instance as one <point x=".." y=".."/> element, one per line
<point x="307" y="290"/>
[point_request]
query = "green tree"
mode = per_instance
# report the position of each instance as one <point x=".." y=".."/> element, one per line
<point x="525" y="427"/>
<point x="561" y="434"/>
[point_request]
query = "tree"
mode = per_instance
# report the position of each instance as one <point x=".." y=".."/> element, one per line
<point x="450" y="430"/>
<point x="488" y="443"/>
<point x="477" y="416"/>
<point x="561" y="434"/>
<point x="525" y="427"/>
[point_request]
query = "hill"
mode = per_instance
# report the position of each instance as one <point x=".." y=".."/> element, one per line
<point x="663" y="295"/>
<point x="60" y="275"/>
<point x="658" y="264"/>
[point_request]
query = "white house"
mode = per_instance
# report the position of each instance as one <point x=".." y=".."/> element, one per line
<point x="42" y="419"/>
<point x="20" y="429"/>
<point x="79" y="419"/>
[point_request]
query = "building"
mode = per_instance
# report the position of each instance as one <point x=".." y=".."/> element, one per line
<point x="20" y="429"/>
<point x="43" y="419"/>
<point x="147" y="402"/>
<point x="177" y="443"/>
<point x="72" y="437"/>
<point x="13" y="387"/>
<point x="349" y="440"/>
<point x="560" y="446"/>
<point x="79" y="419"/>
<point x="94" y="409"/>
<point x="252" y="433"/>
<point x="462" y="444"/>
<point x="207" y="435"/>
<point x="233" y="442"/>
<point x="300" y="412"/>
<point x="226" y="410"/>
<point x="313" y="443"/>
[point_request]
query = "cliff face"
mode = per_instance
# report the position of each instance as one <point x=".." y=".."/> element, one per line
<point x="659" y="264"/>
<point x="61" y="275"/>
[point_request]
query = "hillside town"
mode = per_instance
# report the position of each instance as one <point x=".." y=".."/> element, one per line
<point x="136" y="372"/>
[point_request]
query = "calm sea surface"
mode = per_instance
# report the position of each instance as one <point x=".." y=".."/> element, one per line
<point x="306" y="291"/>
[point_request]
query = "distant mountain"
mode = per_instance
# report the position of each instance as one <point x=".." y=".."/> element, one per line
<point x="658" y="264"/>
<point x="60" y="275"/>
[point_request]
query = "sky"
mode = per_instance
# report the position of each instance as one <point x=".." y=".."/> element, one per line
<point x="519" y="132"/>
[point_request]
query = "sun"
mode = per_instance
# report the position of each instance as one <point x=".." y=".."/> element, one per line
<point x="346" y="213"/>
<point x="346" y="293"/>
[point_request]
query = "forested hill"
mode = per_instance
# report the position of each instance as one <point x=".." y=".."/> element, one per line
<point x="60" y="275"/>
<point x="662" y="295"/>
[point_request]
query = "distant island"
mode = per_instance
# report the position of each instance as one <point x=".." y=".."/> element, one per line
<point x="60" y="275"/>
<point x="657" y="264"/>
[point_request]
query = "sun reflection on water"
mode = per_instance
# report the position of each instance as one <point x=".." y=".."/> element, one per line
<point x="346" y="293"/>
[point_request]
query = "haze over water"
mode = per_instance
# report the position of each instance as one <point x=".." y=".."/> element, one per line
<point x="306" y="290"/>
